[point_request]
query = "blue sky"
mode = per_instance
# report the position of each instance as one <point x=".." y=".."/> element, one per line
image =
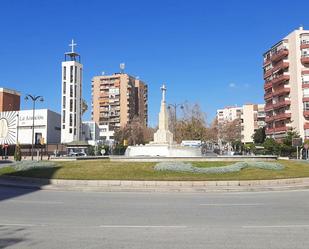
<point x="207" y="52"/>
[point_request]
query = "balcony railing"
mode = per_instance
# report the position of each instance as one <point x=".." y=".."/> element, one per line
<point x="306" y="114"/>
<point x="280" y="79"/>
<point x="282" y="116"/>
<point x="304" y="44"/>
<point x="279" y="55"/>
<point x="305" y="59"/>
<point x="269" y="119"/>
<point x="269" y="107"/>
<point x="281" y="91"/>
<point x="268" y="95"/>
<point x="280" y="66"/>
<point x="281" y="104"/>
<point x="268" y="85"/>
<point x="306" y="126"/>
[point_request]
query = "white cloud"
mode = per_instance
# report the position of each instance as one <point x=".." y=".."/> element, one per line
<point x="232" y="85"/>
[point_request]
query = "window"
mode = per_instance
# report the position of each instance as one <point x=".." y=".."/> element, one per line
<point x="63" y="116"/>
<point x="71" y="90"/>
<point x="70" y="130"/>
<point x="74" y="119"/>
<point x="63" y="102"/>
<point x="64" y="87"/>
<point x="71" y="105"/>
<point x="63" y="126"/>
<point x="306" y="106"/>
<point x="306" y="92"/>
<point x="74" y="131"/>
<point x="75" y="74"/>
<point x="71" y="74"/>
<point x="64" y="73"/>
<point x="71" y="120"/>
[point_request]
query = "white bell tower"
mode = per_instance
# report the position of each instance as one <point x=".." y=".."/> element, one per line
<point x="71" y="101"/>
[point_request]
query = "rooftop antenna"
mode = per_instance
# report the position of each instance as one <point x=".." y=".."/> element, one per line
<point x="102" y="73"/>
<point x="122" y="67"/>
<point x="301" y="27"/>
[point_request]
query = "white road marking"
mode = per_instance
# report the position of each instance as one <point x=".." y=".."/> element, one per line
<point x="139" y="226"/>
<point x="231" y="204"/>
<point x="36" y="202"/>
<point x="22" y="225"/>
<point x="278" y="226"/>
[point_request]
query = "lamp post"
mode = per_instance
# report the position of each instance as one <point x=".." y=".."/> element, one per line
<point x="174" y="106"/>
<point x="34" y="99"/>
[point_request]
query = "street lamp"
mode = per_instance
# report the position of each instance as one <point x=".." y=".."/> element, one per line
<point x="34" y="99"/>
<point x="174" y="106"/>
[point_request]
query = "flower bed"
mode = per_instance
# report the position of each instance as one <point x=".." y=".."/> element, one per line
<point x="235" y="167"/>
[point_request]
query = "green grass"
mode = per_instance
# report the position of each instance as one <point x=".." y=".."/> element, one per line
<point x="106" y="170"/>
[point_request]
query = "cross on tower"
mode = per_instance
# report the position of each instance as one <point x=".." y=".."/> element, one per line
<point x="72" y="45"/>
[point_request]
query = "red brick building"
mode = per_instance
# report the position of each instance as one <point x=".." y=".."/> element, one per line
<point x="9" y="100"/>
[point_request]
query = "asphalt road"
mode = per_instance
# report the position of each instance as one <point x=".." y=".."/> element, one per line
<point x="54" y="219"/>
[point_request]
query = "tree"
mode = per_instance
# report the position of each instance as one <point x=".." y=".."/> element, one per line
<point x="230" y="131"/>
<point x="193" y="124"/>
<point x="259" y="136"/>
<point x="271" y="146"/>
<point x="17" y="153"/>
<point x="134" y="133"/>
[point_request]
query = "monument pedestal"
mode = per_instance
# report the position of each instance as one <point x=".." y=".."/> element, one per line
<point x="162" y="150"/>
<point x="163" y="145"/>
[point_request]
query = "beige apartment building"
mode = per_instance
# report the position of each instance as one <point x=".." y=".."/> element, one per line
<point x="286" y="75"/>
<point x="228" y="114"/>
<point x="116" y="100"/>
<point x="252" y="118"/>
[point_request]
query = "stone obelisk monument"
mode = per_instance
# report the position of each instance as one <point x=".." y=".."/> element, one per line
<point x="163" y="135"/>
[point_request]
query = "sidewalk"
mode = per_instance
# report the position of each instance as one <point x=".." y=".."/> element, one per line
<point x="156" y="186"/>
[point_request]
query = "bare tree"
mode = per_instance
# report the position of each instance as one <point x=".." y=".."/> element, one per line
<point x="134" y="132"/>
<point x="230" y="131"/>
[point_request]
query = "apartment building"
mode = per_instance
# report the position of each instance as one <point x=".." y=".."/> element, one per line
<point x="286" y="75"/>
<point x="116" y="100"/>
<point x="252" y="118"/>
<point x="228" y="114"/>
<point x="9" y="100"/>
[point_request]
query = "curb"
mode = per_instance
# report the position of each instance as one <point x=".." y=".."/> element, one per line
<point x="155" y="186"/>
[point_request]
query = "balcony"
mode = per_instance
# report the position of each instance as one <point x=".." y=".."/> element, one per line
<point x="280" y="66"/>
<point x="266" y="61"/>
<point x="304" y="59"/>
<point x="304" y="45"/>
<point x="305" y="85"/>
<point x="281" y="91"/>
<point x="306" y="114"/>
<point x="281" y="104"/>
<point x="279" y="55"/>
<point x="304" y="72"/>
<point x="282" y="116"/>
<point x="268" y="95"/>
<point x="269" y="131"/>
<point x="305" y="99"/>
<point x="268" y="107"/>
<point x="269" y="119"/>
<point x="281" y="129"/>
<point x="280" y="79"/>
<point x="267" y="73"/>
<point x="268" y="85"/>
